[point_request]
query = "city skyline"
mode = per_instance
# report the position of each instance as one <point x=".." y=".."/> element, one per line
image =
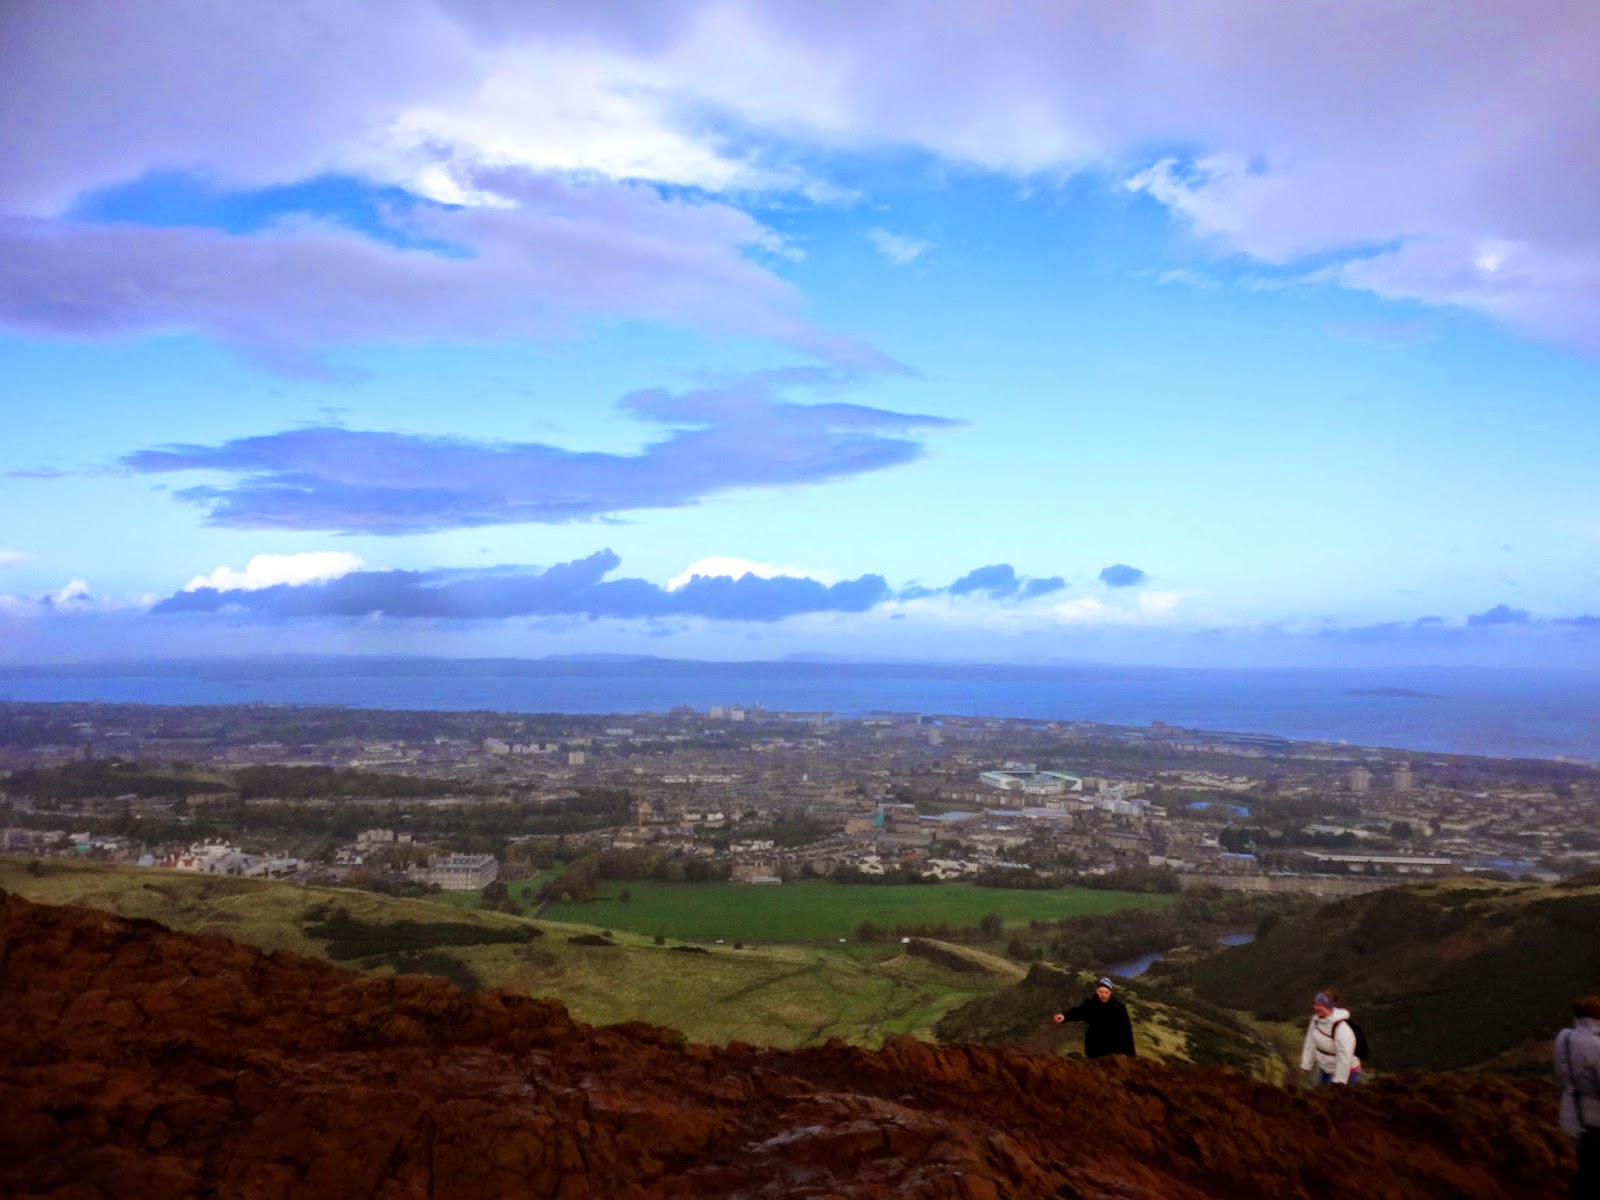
<point x="752" y="330"/>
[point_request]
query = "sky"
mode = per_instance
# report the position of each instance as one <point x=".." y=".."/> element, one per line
<point x="1161" y="332"/>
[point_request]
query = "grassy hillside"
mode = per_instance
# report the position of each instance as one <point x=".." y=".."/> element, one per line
<point x="819" y="911"/>
<point x="777" y="995"/>
<point x="1448" y="974"/>
<point x="1167" y="1025"/>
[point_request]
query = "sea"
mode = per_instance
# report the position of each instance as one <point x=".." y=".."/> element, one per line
<point x="1496" y="712"/>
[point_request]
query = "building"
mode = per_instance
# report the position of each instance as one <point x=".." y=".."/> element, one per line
<point x="1402" y="778"/>
<point x="1383" y="864"/>
<point x="1026" y="779"/>
<point x="463" y="872"/>
<point x="1360" y="779"/>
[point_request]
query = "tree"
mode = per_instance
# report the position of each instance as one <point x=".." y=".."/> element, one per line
<point x="1023" y="950"/>
<point x="626" y="896"/>
<point x="991" y="926"/>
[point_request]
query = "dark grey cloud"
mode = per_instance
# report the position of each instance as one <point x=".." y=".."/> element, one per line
<point x="998" y="580"/>
<point x="731" y="435"/>
<point x="1121" y="575"/>
<point x="573" y="589"/>
<point x="1500" y="614"/>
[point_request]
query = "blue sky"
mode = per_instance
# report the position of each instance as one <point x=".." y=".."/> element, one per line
<point x="754" y="329"/>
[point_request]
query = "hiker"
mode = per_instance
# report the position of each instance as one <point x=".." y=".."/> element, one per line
<point x="1329" y="1053"/>
<point x="1578" y="1070"/>
<point x="1109" y="1031"/>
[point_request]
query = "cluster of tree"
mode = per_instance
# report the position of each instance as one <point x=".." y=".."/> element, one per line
<point x="1134" y="879"/>
<point x="1247" y="839"/>
<point x="106" y="778"/>
<point x="582" y="878"/>
<point x="1092" y="942"/>
<point x="890" y="876"/>
<point x="1285" y="813"/>
<point x="497" y="897"/>
<point x="384" y="884"/>
<point x="989" y="928"/>
<point x="786" y="831"/>
<point x="327" y="783"/>
<point x="1019" y="878"/>
<point x="666" y="866"/>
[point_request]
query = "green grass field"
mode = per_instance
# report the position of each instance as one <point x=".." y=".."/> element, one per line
<point x="818" y="911"/>
<point x="777" y="995"/>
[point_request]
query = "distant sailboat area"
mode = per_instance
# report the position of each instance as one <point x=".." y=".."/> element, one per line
<point x="1508" y="713"/>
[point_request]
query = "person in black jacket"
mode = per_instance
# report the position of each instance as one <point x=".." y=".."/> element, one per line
<point x="1109" y="1031"/>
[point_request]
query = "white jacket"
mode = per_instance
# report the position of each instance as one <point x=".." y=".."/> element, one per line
<point x="1583" y="1043"/>
<point x="1331" y="1046"/>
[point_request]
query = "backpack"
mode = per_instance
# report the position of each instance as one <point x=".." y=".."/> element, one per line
<point x="1361" y="1037"/>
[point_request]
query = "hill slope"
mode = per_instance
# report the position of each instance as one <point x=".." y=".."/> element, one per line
<point x="1443" y="975"/>
<point x="775" y="995"/>
<point x="1167" y="1026"/>
<point x="137" y="1062"/>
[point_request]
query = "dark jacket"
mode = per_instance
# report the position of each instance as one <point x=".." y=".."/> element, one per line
<point x="1109" y="1030"/>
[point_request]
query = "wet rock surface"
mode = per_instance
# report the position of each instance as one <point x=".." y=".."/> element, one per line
<point x="136" y="1062"/>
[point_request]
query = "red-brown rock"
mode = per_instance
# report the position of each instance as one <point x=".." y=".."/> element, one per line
<point x="136" y="1062"/>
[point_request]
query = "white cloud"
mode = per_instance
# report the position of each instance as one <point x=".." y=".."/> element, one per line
<point x="75" y="592"/>
<point x="567" y="255"/>
<point x="1158" y="605"/>
<point x="74" y="598"/>
<point x="721" y="566"/>
<point x="1084" y="610"/>
<point x="1311" y="129"/>
<point x="1185" y="277"/>
<point x="12" y="558"/>
<point x="897" y="248"/>
<point x="270" y="570"/>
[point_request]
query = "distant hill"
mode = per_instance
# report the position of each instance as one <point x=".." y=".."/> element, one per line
<point x="1454" y="973"/>
<point x="144" y="1063"/>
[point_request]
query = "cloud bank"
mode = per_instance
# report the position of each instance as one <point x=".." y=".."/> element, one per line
<point x="550" y="259"/>
<point x="1451" y="162"/>
<point x="719" y="589"/>
<point x="738" y="434"/>
<point x="573" y="589"/>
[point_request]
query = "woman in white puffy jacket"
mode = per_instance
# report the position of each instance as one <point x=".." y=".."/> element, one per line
<point x="1578" y="1069"/>
<point x="1329" y="1053"/>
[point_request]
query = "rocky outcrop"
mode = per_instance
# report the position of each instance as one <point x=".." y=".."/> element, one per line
<point x="137" y="1062"/>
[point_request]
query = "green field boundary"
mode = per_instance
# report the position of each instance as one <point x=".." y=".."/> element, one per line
<point x="818" y="911"/>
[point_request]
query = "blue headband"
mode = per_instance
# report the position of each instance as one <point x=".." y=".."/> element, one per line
<point x="1323" y="999"/>
<point x="1104" y="982"/>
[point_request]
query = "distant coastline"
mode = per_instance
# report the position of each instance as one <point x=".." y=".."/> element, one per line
<point x="1396" y="692"/>
<point x="1503" y="712"/>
